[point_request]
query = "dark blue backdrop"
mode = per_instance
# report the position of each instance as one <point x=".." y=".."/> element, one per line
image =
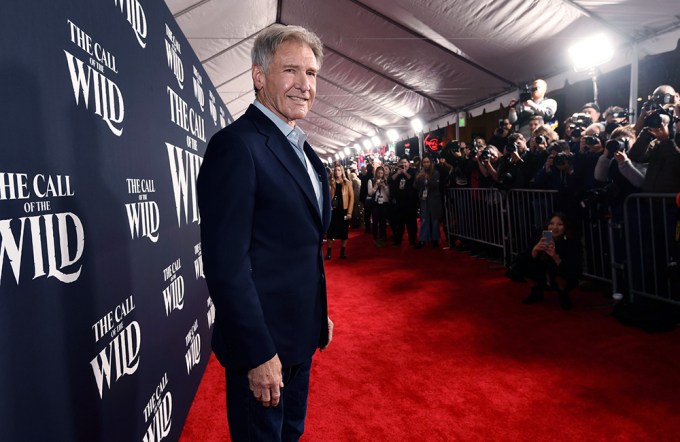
<point x="104" y="313"/>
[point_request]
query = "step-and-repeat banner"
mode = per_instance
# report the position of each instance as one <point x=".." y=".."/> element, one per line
<point x="105" y="317"/>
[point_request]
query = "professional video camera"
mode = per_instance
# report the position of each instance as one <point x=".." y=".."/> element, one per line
<point x="579" y="122"/>
<point x="526" y="92"/>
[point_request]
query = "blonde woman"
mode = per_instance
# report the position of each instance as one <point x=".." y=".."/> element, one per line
<point x="342" y="204"/>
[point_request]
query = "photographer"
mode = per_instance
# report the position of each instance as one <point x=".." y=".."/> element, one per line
<point x="501" y="134"/>
<point x="513" y="170"/>
<point x="656" y="144"/>
<point x="405" y="202"/>
<point x="541" y="138"/>
<point x="615" y="116"/>
<point x="617" y="171"/>
<point x="591" y="146"/>
<point x="531" y="102"/>
<point x="487" y="161"/>
<point x="662" y="96"/>
<point x="574" y="127"/>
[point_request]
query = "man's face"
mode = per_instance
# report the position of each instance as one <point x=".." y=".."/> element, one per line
<point x="403" y="163"/>
<point x="533" y="124"/>
<point x="539" y="90"/>
<point x="594" y="115"/>
<point x="288" y="87"/>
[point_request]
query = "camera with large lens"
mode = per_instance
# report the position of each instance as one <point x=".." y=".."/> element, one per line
<point x="526" y="93"/>
<point x="473" y="153"/>
<point x="580" y="121"/>
<point x="484" y="156"/>
<point x="561" y="159"/>
<point x="656" y="101"/>
<point x="591" y="140"/>
<point x="541" y="139"/>
<point x="618" y="145"/>
<point x="511" y="148"/>
<point x="655" y="119"/>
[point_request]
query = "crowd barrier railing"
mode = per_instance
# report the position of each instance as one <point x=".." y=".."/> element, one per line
<point x="476" y="215"/>
<point x="638" y="254"/>
<point x="652" y="227"/>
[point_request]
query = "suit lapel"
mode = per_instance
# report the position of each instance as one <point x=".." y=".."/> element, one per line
<point x="281" y="148"/>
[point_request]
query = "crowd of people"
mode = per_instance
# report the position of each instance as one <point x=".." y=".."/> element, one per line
<point x="593" y="158"/>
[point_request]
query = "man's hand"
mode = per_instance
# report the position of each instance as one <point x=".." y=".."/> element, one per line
<point x="330" y="334"/>
<point x="266" y="382"/>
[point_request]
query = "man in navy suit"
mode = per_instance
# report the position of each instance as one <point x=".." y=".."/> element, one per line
<point x="264" y="201"/>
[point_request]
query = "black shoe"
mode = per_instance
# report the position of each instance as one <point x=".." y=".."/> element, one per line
<point x="435" y="244"/>
<point x="328" y="255"/>
<point x="342" y="253"/>
<point x="565" y="300"/>
<point x="535" y="296"/>
<point x="420" y="245"/>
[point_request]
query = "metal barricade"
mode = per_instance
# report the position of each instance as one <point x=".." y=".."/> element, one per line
<point x="597" y="252"/>
<point x="476" y="215"/>
<point x="527" y="212"/>
<point x="652" y="248"/>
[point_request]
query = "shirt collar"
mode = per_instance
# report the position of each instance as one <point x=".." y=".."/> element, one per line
<point x="295" y="135"/>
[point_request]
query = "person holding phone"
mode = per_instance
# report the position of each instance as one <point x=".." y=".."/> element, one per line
<point x="555" y="262"/>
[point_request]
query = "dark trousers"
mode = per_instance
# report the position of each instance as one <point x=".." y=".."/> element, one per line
<point x="405" y="215"/>
<point x="250" y="421"/>
<point x="380" y="221"/>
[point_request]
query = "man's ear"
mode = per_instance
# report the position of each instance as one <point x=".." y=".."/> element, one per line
<point x="258" y="77"/>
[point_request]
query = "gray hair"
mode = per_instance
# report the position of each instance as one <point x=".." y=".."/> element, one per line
<point x="269" y="39"/>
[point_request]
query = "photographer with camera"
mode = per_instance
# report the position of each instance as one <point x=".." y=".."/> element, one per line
<point x="591" y="146"/>
<point x="574" y="127"/>
<point x="501" y="134"/>
<point x="592" y="109"/>
<point x="405" y="208"/>
<point x="532" y="101"/>
<point x="616" y="170"/>
<point x="513" y="171"/>
<point x="657" y="142"/>
<point x="615" y="116"/>
<point x="487" y="161"/>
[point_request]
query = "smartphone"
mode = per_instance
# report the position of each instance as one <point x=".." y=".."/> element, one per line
<point x="547" y="234"/>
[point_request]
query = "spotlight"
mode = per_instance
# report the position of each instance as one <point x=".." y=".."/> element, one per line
<point x="376" y="141"/>
<point x="417" y="125"/>
<point x="590" y="52"/>
<point x="392" y="135"/>
<point x="357" y="146"/>
<point x="367" y="144"/>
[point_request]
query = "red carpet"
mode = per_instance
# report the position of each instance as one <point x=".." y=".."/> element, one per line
<point x="434" y="345"/>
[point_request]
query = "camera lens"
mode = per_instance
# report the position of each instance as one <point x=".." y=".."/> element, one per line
<point x="591" y="140"/>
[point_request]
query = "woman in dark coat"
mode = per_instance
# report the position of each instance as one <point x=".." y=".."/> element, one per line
<point x="342" y="204"/>
<point x="556" y="262"/>
<point x="427" y="184"/>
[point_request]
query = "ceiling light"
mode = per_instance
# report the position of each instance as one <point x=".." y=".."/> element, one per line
<point x="417" y="125"/>
<point x="393" y="135"/>
<point x="347" y="151"/>
<point x="590" y="52"/>
<point x="376" y="141"/>
<point x="342" y="155"/>
<point x="367" y="144"/>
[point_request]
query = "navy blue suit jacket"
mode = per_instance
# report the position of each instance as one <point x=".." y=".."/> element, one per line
<point x="261" y="236"/>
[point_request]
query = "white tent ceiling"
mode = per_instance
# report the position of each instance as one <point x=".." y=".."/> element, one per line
<point x="387" y="61"/>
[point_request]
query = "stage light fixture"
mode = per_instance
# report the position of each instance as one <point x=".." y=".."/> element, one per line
<point x="392" y="135"/>
<point x="417" y="125"/>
